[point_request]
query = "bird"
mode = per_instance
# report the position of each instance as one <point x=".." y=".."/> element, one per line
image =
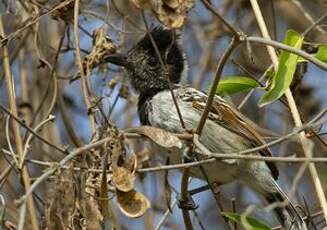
<point x="155" y="66"/>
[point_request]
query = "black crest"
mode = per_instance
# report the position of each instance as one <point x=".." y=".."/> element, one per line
<point x="147" y="72"/>
<point x="144" y="68"/>
<point x="143" y="64"/>
<point x="163" y="38"/>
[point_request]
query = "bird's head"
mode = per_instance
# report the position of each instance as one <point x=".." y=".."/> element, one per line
<point x="143" y="65"/>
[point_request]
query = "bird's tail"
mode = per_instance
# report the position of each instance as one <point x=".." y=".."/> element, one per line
<point x="286" y="212"/>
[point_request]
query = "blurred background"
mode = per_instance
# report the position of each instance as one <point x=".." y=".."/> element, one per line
<point x="35" y="32"/>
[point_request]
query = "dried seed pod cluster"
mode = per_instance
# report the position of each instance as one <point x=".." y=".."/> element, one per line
<point x="171" y="13"/>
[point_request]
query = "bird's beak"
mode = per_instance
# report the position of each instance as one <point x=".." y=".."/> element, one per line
<point x="117" y="59"/>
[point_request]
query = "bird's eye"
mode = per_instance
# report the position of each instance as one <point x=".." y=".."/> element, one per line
<point x="152" y="62"/>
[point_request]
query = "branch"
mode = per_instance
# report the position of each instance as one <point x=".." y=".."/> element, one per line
<point x="221" y="18"/>
<point x="85" y="88"/>
<point x="165" y="216"/>
<point x="29" y="138"/>
<point x="269" y="42"/>
<point x="29" y="129"/>
<point x="52" y="77"/>
<point x="222" y="61"/>
<point x="185" y="197"/>
<point x="310" y="19"/>
<point x="32" y="22"/>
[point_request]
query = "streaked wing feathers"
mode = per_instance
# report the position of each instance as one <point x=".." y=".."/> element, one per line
<point x="232" y="120"/>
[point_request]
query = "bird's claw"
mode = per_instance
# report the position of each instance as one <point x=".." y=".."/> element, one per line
<point x="187" y="204"/>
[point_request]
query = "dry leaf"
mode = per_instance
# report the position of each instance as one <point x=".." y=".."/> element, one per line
<point x="102" y="46"/>
<point x="131" y="163"/>
<point x="171" y="20"/>
<point x="172" y="13"/>
<point x="133" y="204"/>
<point x="159" y="136"/>
<point x="173" y="4"/>
<point x="123" y="179"/>
<point x="65" y="13"/>
<point x="112" y="83"/>
<point x="124" y="91"/>
<point x="143" y="158"/>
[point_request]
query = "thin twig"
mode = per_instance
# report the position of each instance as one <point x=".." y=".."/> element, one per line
<point x="197" y="217"/>
<point x="11" y="149"/>
<point x="230" y="27"/>
<point x="214" y="192"/>
<point x="222" y="61"/>
<point x="67" y="121"/>
<point x="185" y="177"/>
<point x="29" y="129"/>
<point x="33" y="21"/>
<point x="248" y="95"/>
<point x="184" y="197"/>
<point x="234" y="211"/>
<point x="310" y="19"/>
<point x="196" y="163"/>
<point x="53" y="78"/>
<point x="165" y="216"/>
<point x="126" y="17"/>
<point x="29" y="138"/>
<point x="279" y="45"/>
<point x="85" y="89"/>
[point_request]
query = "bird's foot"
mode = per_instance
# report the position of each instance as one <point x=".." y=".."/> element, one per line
<point x="187" y="203"/>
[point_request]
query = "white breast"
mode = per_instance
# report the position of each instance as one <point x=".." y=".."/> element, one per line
<point x="163" y="114"/>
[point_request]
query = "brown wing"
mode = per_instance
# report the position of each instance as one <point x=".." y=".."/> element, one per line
<point x="234" y="121"/>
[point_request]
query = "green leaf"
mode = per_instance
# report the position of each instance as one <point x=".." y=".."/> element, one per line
<point x="286" y="69"/>
<point x="322" y="53"/>
<point x="249" y="223"/>
<point x="235" y="84"/>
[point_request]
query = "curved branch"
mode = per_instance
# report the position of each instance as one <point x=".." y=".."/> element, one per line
<point x="290" y="49"/>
